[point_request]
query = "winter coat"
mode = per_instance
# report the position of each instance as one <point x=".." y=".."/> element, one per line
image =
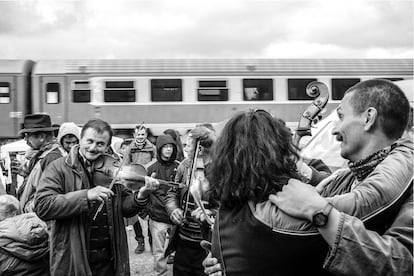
<point x="24" y="246"/>
<point x="61" y="198"/>
<point x="48" y="153"/>
<point x="382" y="202"/>
<point x="165" y="170"/>
<point x="141" y="156"/>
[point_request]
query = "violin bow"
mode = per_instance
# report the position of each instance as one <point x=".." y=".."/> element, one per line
<point x="196" y="193"/>
<point x="126" y="155"/>
<point x="190" y="173"/>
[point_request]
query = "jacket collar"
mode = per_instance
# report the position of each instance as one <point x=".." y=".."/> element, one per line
<point x="72" y="159"/>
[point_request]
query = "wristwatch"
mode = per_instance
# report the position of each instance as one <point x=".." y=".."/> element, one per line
<point x="320" y="218"/>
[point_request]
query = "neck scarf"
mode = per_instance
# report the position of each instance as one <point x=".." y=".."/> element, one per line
<point x="362" y="168"/>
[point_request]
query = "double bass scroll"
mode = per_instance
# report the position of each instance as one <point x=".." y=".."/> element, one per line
<point x="320" y="92"/>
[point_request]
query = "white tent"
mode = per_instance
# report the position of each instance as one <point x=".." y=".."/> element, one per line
<point x="408" y="87"/>
<point x="323" y="145"/>
<point x="17" y="146"/>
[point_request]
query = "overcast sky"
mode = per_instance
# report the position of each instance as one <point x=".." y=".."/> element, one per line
<point x="205" y="29"/>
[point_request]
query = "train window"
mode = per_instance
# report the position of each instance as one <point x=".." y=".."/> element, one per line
<point x="81" y="92"/>
<point x="339" y="87"/>
<point x="4" y="92"/>
<point x="52" y="93"/>
<point x="297" y="89"/>
<point x="119" y="84"/>
<point x="166" y="90"/>
<point x="119" y="91"/>
<point x="258" y="89"/>
<point x="212" y="90"/>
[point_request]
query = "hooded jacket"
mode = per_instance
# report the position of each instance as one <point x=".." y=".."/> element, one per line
<point x="68" y="128"/>
<point x="61" y="198"/>
<point x="165" y="170"/>
<point x="24" y="246"/>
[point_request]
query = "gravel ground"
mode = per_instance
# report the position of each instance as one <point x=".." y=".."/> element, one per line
<point x="141" y="264"/>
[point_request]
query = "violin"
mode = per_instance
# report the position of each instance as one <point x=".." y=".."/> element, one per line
<point x="131" y="176"/>
<point x="198" y="183"/>
<point x="115" y="176"/>
<point x="320" y="92"/>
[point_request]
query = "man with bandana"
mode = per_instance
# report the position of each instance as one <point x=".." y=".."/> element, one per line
<point x="370" y="228"/>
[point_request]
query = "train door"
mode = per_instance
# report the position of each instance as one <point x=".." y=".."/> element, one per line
<point x="78" y="102"/>
<point x="53" y="97"/>
<point x="9" y="115"/>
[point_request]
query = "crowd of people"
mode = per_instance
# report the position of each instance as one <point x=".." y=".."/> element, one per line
<point x="239" y="202"/>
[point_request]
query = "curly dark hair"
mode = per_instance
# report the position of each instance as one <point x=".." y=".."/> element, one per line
<point x="253" y="157"/>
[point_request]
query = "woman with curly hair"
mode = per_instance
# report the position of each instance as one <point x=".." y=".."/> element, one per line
<point x="253" y="158"/>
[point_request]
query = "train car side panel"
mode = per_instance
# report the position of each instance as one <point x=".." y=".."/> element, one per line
<point x="14" y="96"/>
<point x="52" y="97"/>
<point x="9" y="115"/>
<point x="189" y="114"/>
<point x="78" y="97"/>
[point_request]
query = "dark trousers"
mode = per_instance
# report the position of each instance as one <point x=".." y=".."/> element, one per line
<point x="188" y="259"/>
<point x="100" y="263"/>
<point x="103" y="269"/>
<point x="138" y="232"/>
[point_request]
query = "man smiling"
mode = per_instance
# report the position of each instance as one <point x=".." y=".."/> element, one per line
<point x="68" y="197"/>
<point x="372" y="117"/>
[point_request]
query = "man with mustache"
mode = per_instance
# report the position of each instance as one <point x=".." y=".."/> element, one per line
<point x="373" y="116"/>
<point x="68" y="198"/>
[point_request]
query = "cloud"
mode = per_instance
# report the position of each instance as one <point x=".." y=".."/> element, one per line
<point x="355" y="24"/>
<point x="31" y="18"/>
<point x="183" y="28"/>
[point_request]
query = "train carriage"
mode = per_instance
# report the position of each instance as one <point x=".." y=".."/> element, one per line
<point x="179" y="93"/>
<point x="15" y="95"/>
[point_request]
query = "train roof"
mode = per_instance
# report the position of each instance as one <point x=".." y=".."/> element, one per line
<point x="188" y="67"/>
<point x="15" y="66"/>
